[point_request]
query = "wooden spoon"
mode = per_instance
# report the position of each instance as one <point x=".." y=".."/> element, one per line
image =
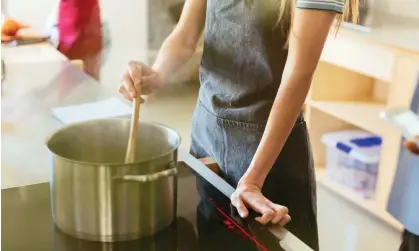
<point x="130" y="155"/>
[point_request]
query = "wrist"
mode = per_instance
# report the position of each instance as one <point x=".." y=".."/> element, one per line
<point x="160" y="76"/>
<point x="257" y="171"/>
<point x="161" y="79"/>
<point x="253" y="177"/>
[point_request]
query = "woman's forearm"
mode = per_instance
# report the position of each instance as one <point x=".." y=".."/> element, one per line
<point x="174" y="53"/>
<point x="305" y="47"/>
<point x="285" y="110"/>
<point x="179" y="47"/>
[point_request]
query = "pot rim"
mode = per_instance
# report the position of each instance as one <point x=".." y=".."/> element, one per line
<point x="49" y="137"/>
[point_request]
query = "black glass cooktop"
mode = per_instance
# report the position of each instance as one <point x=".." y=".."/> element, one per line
<point x="206" y="221"/>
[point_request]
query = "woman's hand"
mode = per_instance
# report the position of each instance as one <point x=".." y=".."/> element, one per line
<point x="413" y="145"/>
<point x="139" y="75"/>
<point x="249" y="194"/>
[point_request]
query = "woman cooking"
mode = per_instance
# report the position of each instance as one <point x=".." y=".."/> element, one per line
<point x="258" y="62"/>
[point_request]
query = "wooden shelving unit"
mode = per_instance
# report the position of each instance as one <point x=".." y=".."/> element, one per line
<point x="361" y="114"/>
<point x="349" y="91"/>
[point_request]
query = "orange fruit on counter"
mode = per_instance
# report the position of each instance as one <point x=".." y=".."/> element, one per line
<point x="10" y="27"/>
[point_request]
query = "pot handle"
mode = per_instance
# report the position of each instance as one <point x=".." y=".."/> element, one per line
<point x="150" y="177"/>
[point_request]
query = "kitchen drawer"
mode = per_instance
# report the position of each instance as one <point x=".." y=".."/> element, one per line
<point x="366" y="58"/>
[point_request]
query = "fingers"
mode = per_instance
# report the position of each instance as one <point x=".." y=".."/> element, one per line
<point x="127" y="87"/>
<point x="239" y="205"/>
<point x="131" y="81"/>
<point x="270" y="212"/>
<point x="139" y="79"/>
<point x="280" y="212"/>
<point x="127" y="96"/>
<point x="149" y="77"/>
<point x="266" y="217"/>
<point x="273" y="213"/>
<point x="284" y="221"/>
<point x="263" y="208"/>
<point x="135" y="71"/>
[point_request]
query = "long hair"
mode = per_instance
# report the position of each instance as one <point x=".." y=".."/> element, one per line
<point x="286" y="10"/>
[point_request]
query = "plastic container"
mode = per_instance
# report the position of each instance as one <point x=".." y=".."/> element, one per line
<point x="352" y="158"/>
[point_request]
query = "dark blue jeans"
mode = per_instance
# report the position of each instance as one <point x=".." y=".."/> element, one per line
<point x="291" y="181"/>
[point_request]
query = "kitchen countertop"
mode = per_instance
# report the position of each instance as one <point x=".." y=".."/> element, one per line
<point x="29" y="91"/>
<point x="35" y="53"/>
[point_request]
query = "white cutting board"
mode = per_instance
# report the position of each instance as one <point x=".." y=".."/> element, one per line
<point x="108" y="108"/>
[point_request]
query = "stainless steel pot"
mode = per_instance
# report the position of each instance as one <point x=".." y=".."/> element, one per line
<point x="96" y="196"/>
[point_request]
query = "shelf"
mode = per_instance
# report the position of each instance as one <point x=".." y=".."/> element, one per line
<point x="358" y="56"/>
<point x="344" y="95"/>
<point x="365" y="115"/>
<point x="367" y="204"/>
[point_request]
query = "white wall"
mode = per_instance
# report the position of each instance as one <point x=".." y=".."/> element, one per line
<point x="402" y="8"/>
<point x="128" y="25"/>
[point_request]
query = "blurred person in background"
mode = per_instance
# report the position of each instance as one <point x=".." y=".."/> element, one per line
<point x="404" y="198"/>
<point x="257" y="65"/>
<point x="80" y="33"/>
<point x="76" y="27"/>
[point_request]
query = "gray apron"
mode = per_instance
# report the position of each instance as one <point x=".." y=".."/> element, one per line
<point x="404" y="198"/>
<point x="240" y="73"/>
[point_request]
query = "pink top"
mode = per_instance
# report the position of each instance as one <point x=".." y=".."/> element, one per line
<point x="79" y="26"/>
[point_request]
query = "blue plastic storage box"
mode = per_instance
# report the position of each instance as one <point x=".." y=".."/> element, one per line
<point x="352" y="158"/>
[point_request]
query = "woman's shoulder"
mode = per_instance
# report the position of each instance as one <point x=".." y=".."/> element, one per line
<point x="332" y="5"/>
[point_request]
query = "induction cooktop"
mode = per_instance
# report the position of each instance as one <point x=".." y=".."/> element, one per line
<point x="206" y="221"/>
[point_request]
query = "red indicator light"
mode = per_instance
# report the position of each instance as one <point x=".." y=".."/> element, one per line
<point x="231" y="224"/>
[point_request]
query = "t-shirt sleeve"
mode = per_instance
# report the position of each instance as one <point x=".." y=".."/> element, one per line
<point x="332" y="5"/>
